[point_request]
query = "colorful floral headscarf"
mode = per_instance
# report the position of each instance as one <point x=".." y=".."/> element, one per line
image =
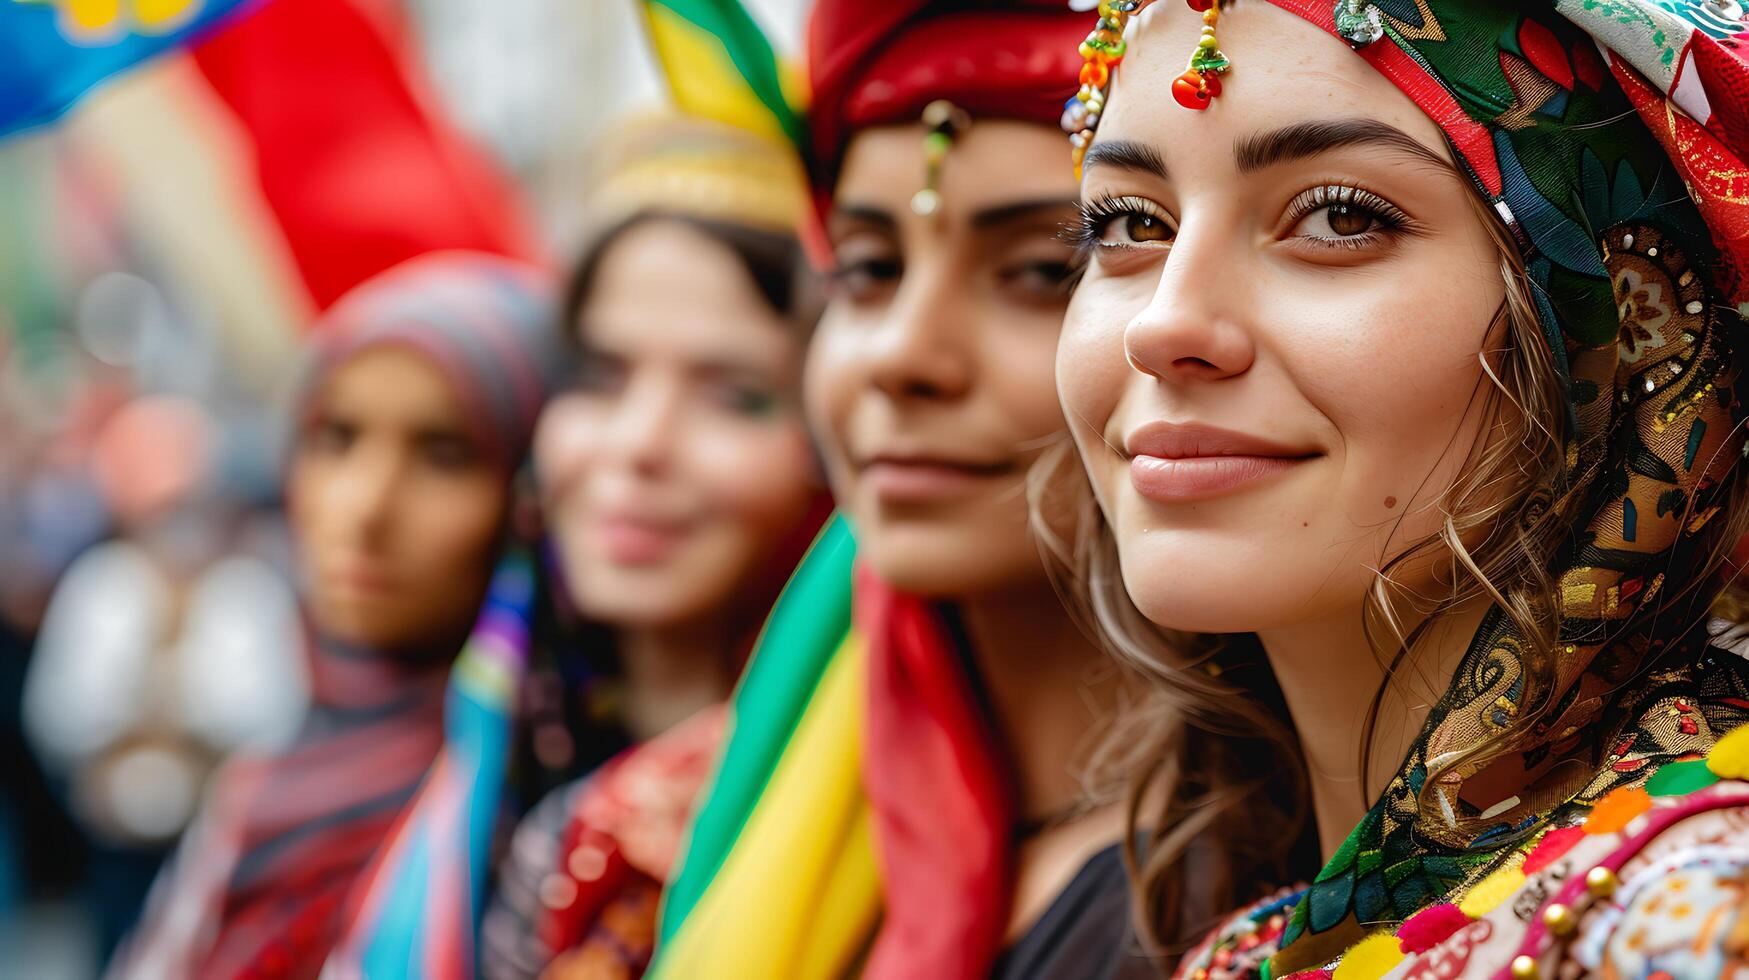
<point x="1609" y="137"/>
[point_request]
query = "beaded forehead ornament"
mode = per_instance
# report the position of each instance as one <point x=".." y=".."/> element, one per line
<point x="1356" y="21"/>
<point x="944" y="123"/>
<point x="1104" y="49"/>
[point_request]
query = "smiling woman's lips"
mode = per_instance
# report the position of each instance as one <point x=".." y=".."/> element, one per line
<point x="362" y="579"/>
<point x="1201" y="477"/>
<point x="1176" y="462"/>
<point x="923" y="481"/>
<point x="632" y="542"/>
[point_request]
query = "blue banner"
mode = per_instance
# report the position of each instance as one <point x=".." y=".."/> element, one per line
<point x="53" y="51"/>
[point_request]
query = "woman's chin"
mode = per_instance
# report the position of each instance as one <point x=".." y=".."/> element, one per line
<point x="369" y="628"/>
<point x="1191" y="611"/>
<point x="649" y="601"/>
<point x="946" y="565"/>
<point x="1199" y="595"/>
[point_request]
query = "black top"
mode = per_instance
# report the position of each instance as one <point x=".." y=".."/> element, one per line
<point x="1085" y="934"/>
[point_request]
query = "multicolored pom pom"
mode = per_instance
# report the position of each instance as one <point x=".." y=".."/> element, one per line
<point x="1549" y="850"/>
<point x="1369" y="959"/>
<point x="1729" y="759"/>
<point x="1430" y="927"/>
<point x="1618" y="809"/>
<point x="1489" y="893"/>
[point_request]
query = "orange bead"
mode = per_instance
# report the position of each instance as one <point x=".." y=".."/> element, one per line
<point x="1617" y="810"/>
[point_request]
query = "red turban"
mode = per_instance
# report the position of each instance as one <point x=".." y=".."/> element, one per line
<point x="881" y="61"/>
<point x="939" y="785"/>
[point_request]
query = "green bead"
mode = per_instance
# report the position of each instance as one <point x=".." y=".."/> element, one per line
<point x="937" y="143"/>
<point x="1209" y="61"/>
<point x="1681" y="778"/>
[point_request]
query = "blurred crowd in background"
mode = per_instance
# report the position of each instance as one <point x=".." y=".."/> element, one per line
<point x="149" y="341"/>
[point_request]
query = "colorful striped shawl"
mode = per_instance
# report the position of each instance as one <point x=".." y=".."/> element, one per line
<point x="859" y="786"/>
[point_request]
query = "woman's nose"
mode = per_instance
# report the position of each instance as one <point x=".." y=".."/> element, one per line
<point x="922" y="347"/>
<point x="1194" y="328"/>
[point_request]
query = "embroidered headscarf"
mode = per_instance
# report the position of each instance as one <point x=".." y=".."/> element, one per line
<point x="862" y="799"/>
<point x="1609" y="137"/>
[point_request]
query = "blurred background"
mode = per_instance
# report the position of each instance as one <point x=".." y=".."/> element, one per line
<point x="163" y="245"/>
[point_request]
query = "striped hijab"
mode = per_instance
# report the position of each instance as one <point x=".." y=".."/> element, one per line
<point x="402" y="754"/>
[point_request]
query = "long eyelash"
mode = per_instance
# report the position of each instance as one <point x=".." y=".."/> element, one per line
<point x="841" y="271"/>
<point x="1084" y="233"/>
<point x="1319" y="197"/>
<point x="1392" y="219"/>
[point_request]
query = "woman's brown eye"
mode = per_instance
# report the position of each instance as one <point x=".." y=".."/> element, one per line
<point x="1348" y="219"/>
<point x="1145" y="228"/>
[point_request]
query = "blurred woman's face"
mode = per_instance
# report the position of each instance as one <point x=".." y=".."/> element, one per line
<point x="677" y="470"/>
<point x="396" y="507"/>
<point x="1269" y="361"/>
<point x="930" y="378"/>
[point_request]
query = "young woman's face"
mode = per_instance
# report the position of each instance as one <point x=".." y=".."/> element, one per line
<point x="1269" y="360"/>
<point x="677" y="470"/>
<point x="396" y="507"/>
<point x="929" y="381"/>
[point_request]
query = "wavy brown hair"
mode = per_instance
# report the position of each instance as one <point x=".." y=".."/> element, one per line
<point x="1216" y="781"/>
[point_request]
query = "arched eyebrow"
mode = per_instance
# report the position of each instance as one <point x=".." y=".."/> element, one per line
<point x="1307" y="139"/>
<point x="996" y="216"/>
<point x="1126" y="155"/>
<point x="866" y="214"/>
<point x="1259" y="150"/>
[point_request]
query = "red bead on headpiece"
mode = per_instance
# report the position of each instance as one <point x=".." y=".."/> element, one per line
<point x="1104" y="49"/>
<point x="1201" y="80"/>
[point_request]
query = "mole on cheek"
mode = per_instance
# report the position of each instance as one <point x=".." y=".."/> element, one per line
<point x="1390" y="501"/>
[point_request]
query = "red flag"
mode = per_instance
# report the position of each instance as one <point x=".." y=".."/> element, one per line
<point x="359" y="171"/>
